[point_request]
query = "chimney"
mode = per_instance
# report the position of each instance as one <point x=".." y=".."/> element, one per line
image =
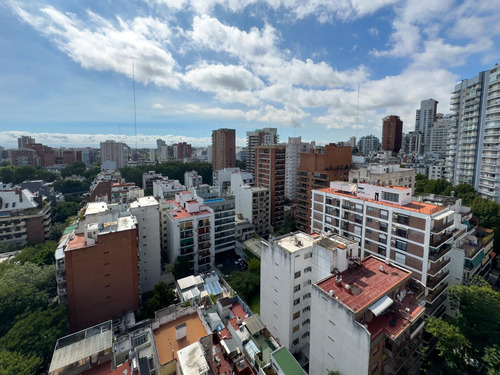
<point x="180" y="331"/>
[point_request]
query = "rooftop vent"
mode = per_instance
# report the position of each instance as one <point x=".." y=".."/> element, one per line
<point x="382" y="269"/>
<point x="348" y="288"/>
<point x="338" y="280"/>
<point x="331" y="292"/>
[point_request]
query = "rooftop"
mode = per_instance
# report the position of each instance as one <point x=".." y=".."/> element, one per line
<point x="295" y="242"/>
<point x="286" y="362"/>
<point x="180" y="213"/>
<point x="415" y="206"/>
<point x="144" y="202"/>
<point x="367" y="283"/>
<point x="165" y="340"/>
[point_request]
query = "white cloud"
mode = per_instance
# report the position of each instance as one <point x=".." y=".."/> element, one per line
<point x="94" y="140"/>
<point x="373" y="31"/>
<point x="105" y="46"/>
<point x="157" y="106"/>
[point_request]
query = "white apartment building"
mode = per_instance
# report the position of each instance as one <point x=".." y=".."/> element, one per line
<point x="438" y="140"/>
<point x="192" y="180"/>
<point x="387" y="223"/>
<point x="253" y="204"/>
<point x="223" y="178"/>
<point x="164" y="188"/>
<point x="290" y="264"/>
<point x="424" y="120"/>
<point x="391" y="174"/>
<point x="188" y="229"/>
<point x="147" y="212"/>
<point x="368" y="319"/>
<point x="436" y="171"/>
<point x="294" y="148"/>
<point x="476" y="104"/>
<point x="368" y="144"/>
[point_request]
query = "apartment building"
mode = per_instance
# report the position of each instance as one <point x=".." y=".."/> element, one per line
<point x="380" y="174"/>
<point x="368" y="144"/>
<point x="270" y="174"/>
<point x="147" y="212"/>
<point x="164" y="188"/>
<point x="97" y="267"/>
<point x="266" y="136"/>
<point x="425" y="118"/>
<point x="253" y="203"/>
<point x="316" y="170"/>
<point x="116" y="152"/>
<point x="438" y="140"/>
<point x="290" y="264"/>
<point x="294" y="148"/>
<point x="192" y="180"/>
<point x="223" y="178"/>
<point x="188" y="230"/>
<point x="367" y="319"/>
<point x="392" y="133"/>
<point x="223" y="149"/>
<point x="416" y="235"/>
<point x="24" y="217"/>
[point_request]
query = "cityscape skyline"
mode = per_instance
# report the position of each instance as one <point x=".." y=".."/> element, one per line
<point x="200" y="66"/>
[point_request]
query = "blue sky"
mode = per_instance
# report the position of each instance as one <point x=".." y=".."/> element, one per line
<point x="66" y="66"/>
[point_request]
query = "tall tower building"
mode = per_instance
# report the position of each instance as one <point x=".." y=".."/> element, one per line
<point x="294" y="148"/>
<point x="424" y="119"/>
<point x="270" y="174"/>
<point x="266" y="136"/>
<point x="392" y="133"/>
<point x="368" y="143"/>
<point x="477" y="160"/>
<point x="114" y="151"/>
<point x="316" y="170"/>
<point x="223" y="149"/>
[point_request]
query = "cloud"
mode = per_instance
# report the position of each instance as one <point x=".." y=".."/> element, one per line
<point x="94" y="140"/>
<point x="157" y="106"/>
<point x="102" y="45"/>
<point x="373" y="31"/>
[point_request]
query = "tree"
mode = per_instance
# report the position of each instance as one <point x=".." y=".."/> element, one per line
<point x="492" y="360"/>
<point x="76" y="168"/>
<point x="36" y="333"/>
<point x="16" y="363"/>
<point x="452" y="344"/>
<point x="182" y="267"/>
<point x="40" y="254"/>
<point x="63" y="210"/>
<point x="288" y="226"/>
<point x="24" y="288"/>
<point x="161" y="296"/>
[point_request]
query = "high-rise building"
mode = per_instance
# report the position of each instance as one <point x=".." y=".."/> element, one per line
<point x="116" y="152"/>
<point x="223" y="149"/>
<point x="368" y="144"/>
<point x="424" y="120"/>
<point x="316" y="170"/>
<point x="97" y="267"/>
<point x="392" y="133"/>
<point x="270" y="174"/>
<point x="438" y="140"/>
<point x="182" y="151"/>
<point x="24" y="141"/>
<point x="294" y="148"/>
<point x="417" y="235"/>
<point x="266" y="136"/>
<point x="476" y="106"/>
<point x="413" y="143"/>
<point x="252" y="203"/>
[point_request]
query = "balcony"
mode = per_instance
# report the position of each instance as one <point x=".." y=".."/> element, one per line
<point x="437" y="240"/>
<point x="434" y="281"/>
<point x="437" y="254"/>
<point x="441" y="227"/>
<point x="433" y="294"/>
<point x="436" y="306"/>
<point x="436" y="267"/>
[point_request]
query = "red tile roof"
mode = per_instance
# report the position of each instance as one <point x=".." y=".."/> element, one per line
<point x="368" y="279"/>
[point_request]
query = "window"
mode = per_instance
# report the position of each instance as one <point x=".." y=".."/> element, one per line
<point x="296" y="341"/>
<point x="370" y="209"/>
<point x="402" y="232"/>
<point x="383" y="214"/>
<point x="296" y="315"/>
<point x="296" y="328"/>
<point x="296" y="301"/>
<point x="402" y="219"/>
<point x="369" y="220"/>
<point x="381" y="250"/>
<point x="296" y="288"/>
<point x="297" y="274"/>
<point x="307" y="282"/>
<point x="306" y="296"/>
<point x="305" y="335"/>
<point x="308" y="269"/>
<point x="392" y="197"/>
<point x="308" y="255"/>
<point x="382" y="238"/>
<point x="307" y="308"/>
<point x="401" y="245"/>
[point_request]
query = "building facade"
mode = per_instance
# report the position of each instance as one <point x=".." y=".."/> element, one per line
<point x="253" y="204"/>
<point x="270" y="174"/>
<point x="368" y="144"/>
<point x="392" y="133"/>
<point x="316" y="170"/>
<point x="115" y="152"/>
<point x="391" y="174"/>
<point x="424" y="120"/>
<point x="223" y="149"/>
<point x="294" y="148"/>
<point x="266" y="136"/>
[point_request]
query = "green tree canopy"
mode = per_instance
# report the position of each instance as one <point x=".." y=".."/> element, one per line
<point x="40" y="254"/>
<point x="182" y="267"/>
<point x="161" y="296"/>
<point x="16" y="363"/>
<point x="63" y="210"/>
<point x="76" y="168"/>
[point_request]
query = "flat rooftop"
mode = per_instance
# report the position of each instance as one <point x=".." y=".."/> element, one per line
<point x="367" y="283"/>
<point x="180" y="213"/>
<point x="166" y="343"/>
<point x="144" y="202"/>
<point x="287" y="363"/>
<point x="296" y="241"/>
<point x="415" y="206"/>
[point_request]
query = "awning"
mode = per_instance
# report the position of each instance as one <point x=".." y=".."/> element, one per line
<point x="379" y="307"/>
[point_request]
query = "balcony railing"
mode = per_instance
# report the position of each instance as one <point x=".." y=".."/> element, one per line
<point x="431" y="297"/>
<point x="433" y="281"/>
<point x="436" y="267"/>
<point x="436" y="255"/>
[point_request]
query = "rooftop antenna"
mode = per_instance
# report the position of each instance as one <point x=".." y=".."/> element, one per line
<point x="135" y="114"/>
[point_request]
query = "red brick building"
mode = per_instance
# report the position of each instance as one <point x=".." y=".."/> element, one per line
<point x="316" y="170"/>
<point x="102" y="278"/>
<point x="223" y="149"/>
<point x="392" y="133"/>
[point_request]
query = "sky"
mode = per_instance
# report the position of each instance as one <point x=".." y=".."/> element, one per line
<point x="321" y="69"/>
